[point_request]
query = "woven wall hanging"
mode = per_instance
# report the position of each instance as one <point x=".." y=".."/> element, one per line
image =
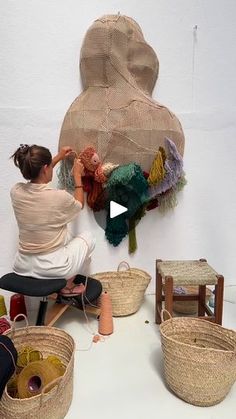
<point x="117" y="117"/>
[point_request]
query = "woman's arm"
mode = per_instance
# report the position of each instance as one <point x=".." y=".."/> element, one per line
<point x="77" y="172"/>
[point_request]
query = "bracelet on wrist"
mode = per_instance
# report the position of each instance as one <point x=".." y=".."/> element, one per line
<point x="78" y="186"/>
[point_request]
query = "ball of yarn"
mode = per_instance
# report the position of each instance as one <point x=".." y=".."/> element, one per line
<point x="27" y="355"/>
<point x="34" y="377"/>
<point x="108" y="168"/>
<point x="57" y="363"/>
<point x="4" y="325"/>
<point x="89" y="158"/>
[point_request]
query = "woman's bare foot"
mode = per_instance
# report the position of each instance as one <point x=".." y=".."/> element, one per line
<point x="72" y="291"/>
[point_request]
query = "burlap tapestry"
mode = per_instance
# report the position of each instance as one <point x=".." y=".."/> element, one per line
<point x="116" y="113"/>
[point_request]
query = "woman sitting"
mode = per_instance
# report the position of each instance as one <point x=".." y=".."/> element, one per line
<point x="45" y="248"/>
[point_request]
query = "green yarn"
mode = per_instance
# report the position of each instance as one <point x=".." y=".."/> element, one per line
<point x="132" y="236"/>
<point x="128" y="187"/>
<point x="116" y="229"/>
<point x="133" y="221"/>
<point x="181" y="183"/>
<point x="167" y="201"/>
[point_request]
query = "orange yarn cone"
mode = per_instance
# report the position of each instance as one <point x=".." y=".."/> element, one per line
<point x="105" y="319"/>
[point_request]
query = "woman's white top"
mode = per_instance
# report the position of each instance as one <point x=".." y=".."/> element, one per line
<point x="42" y="215"/>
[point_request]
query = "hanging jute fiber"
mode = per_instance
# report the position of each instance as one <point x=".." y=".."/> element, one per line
<point x="53" y="403"/>
<point x="199" y="359"/>
<point x="116" y="113"/>
<point x="125" y="287"/>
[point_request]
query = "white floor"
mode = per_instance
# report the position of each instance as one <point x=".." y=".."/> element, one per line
<point x="122" y="377"/>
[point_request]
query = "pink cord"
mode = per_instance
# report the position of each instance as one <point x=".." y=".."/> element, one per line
<point x="96" y="337"/>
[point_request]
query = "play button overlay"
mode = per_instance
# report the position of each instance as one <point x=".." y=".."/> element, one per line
<point x="122" y="208"/>
<point x="116" y="209"/>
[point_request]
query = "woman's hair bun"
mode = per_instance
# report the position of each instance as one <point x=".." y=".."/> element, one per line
<point x="30" y="159"/>
<point x="24" y="148"/>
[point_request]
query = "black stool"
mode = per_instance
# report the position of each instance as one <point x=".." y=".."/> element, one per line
<point x="45" y="288"/>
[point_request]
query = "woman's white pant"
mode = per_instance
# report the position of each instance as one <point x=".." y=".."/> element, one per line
<point x="65" y="262"/>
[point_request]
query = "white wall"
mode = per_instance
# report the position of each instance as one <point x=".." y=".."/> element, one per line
<point x="40" y="44"/>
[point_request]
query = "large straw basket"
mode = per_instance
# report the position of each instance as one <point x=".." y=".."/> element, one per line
<point x="125" y="287"/>
<point x="199" y="359"/>
<point x="55" y="403"/>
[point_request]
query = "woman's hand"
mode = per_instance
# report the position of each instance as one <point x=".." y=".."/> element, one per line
<point x="78" y="168"/>
<point x="65" y="152"/>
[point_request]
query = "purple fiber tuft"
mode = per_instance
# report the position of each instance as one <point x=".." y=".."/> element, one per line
<point x="173" y="167"/>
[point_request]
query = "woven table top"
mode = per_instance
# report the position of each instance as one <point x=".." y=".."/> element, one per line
<point x="188" y="272"/>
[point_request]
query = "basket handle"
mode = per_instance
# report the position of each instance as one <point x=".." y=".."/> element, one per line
<point x="55" y="382"/>
<point x="123" y="262"/>
<point x="163" y="312"/>
<point x="13" y="326"/>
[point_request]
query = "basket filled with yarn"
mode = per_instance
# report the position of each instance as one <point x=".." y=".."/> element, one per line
<point x="43" y="385"/>
<point x="199" y="358"/>
<point x="126" y="288"/>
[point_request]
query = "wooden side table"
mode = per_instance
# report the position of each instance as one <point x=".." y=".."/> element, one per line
<point x="171" y="273"/>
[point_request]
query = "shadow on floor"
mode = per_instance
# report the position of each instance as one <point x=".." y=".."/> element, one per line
<point x="156" y="359"/>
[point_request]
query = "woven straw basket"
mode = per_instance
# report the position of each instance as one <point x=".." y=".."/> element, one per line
<point x="190" y="307"/>
<point x="199" y="359"/>
<point x="125" y="287"/>
<point x="55" y="403"/>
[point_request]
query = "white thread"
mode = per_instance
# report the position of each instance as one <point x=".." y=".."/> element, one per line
<point x="195" y="28"/>
<point x="83" y="295"/>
